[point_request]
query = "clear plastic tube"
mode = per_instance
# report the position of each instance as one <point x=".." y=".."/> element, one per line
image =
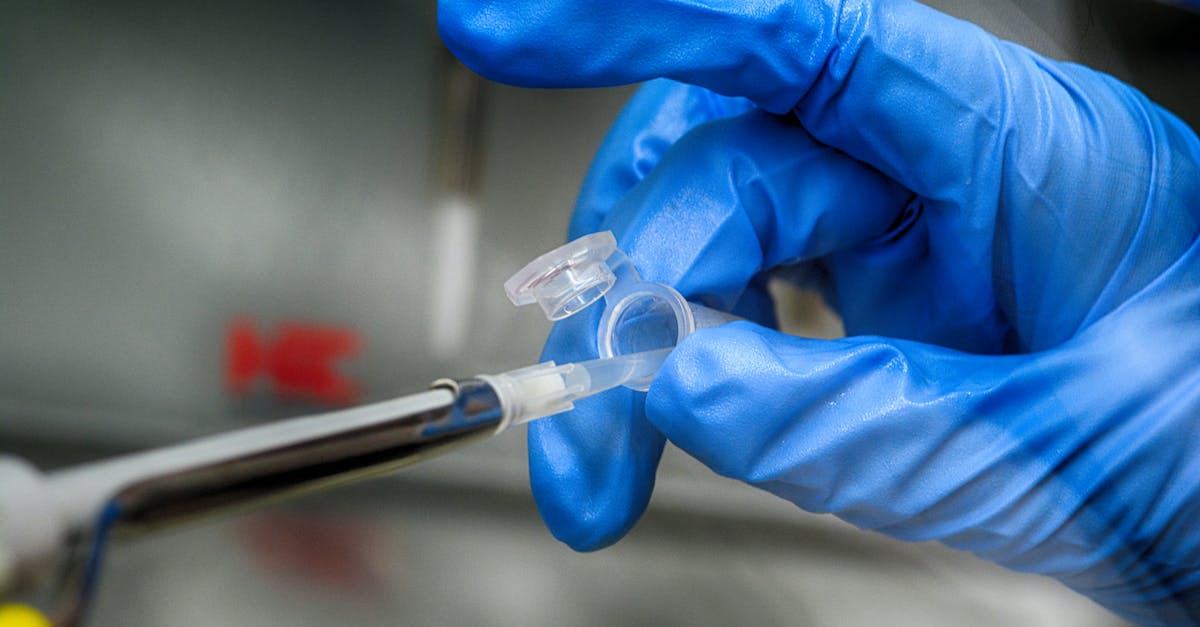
<point x="548" y="388"/>
<point x="639" y="316"/>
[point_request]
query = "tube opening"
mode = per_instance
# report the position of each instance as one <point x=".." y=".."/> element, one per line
<point x="576" y="302"/>
<point x="650" y="318"/>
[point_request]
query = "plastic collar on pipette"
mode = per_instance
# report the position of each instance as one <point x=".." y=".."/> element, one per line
<point x="547" y="388"/>
<point x="639" y="316"/>
<point x="541" y="390"/>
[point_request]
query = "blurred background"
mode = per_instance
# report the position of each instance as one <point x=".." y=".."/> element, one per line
<point x="227" y="213"/>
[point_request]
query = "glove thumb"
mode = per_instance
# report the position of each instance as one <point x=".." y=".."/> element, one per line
<point x="1066" y="463"/>
<point x="884" y="433"/>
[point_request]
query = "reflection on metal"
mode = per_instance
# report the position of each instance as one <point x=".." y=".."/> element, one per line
<point x="455" y="236"/>
<point x="455" y="240"/>
<point x="459" y="114"/>
<point x="291" y="468"/>
<point x="138" y="493"/>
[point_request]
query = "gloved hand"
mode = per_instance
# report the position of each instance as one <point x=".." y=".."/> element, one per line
<point x="1010" y="240"/>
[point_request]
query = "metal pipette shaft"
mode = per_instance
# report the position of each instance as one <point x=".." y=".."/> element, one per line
<point x="166" y="485"/>
<point x="241" y="467"/>
<point x="81" y="506"/>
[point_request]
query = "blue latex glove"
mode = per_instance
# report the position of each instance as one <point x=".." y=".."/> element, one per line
<point x="1010" y="240"/>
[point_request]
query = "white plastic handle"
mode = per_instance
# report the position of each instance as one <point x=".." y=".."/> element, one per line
<point x="31" y="529"/>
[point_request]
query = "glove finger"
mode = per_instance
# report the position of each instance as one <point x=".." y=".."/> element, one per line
<point x="660" y="113"/>
<point x="763" y="50"/>
<point x="1010" y="457"/>
<point x="920" y="95"/>
<point x="592" y="469"/>
<point x="739" y="196"/>
<point x="876" y="430"/>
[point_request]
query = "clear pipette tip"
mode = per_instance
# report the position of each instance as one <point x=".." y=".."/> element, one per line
<point x="546" y="389"/>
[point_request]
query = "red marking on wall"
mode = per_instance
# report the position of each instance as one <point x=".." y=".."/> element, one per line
<point x="300" y="361"/>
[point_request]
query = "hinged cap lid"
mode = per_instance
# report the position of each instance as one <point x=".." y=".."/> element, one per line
<point x="567" y="279"/>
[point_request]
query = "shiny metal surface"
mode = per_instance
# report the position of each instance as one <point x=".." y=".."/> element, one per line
<point x="194" y="478"/>
<point x="134" y="494"/>
<point x="305" y="460"/>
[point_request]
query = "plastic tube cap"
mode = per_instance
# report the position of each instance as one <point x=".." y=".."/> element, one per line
<point x="567" y="279"/>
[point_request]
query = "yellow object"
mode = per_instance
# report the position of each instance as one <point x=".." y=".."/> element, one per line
<point x="22" y="616"/>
